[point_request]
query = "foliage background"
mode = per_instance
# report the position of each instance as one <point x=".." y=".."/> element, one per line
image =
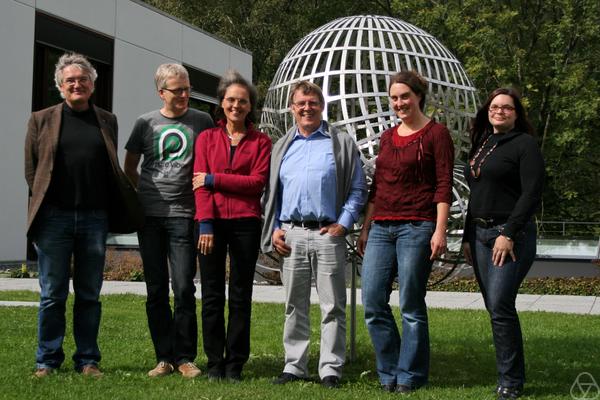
<point x="549" y="50"/>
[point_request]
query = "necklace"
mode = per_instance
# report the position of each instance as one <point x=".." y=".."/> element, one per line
<point x="475" y="172"/>
<point x="235" y="138"/>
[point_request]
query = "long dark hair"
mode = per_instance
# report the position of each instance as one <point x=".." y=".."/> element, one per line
<point x="481" y="127"/>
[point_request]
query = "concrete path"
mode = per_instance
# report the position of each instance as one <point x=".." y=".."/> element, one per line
<point x="276" y="294"/>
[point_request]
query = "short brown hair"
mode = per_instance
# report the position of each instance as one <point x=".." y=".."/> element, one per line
<point x="414" y="81"/>
<point x="307" y="88"/>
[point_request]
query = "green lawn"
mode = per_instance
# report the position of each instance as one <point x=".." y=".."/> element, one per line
<point x="558" y="348"/>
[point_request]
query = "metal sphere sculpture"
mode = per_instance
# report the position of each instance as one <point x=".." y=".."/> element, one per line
<point x="351" y="59"/>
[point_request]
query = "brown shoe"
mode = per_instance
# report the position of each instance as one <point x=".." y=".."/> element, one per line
<point x="91" y="370"/>
<point x="163" y="368"/>
<point x="189" y="370"/>
<point x="43" y="372"/>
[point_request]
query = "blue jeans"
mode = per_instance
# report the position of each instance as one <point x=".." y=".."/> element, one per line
<point x="58" y="235"/>
<point x="169" y="242"/>
<point x="499" y="286"/>
<point x="406" y="246"/>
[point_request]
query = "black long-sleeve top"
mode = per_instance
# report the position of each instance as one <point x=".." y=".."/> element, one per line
<point x="510" y="183"/>
<point x="81" y="175"/>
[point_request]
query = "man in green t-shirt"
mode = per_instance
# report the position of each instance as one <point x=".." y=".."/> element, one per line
<point x="165" y="139"/>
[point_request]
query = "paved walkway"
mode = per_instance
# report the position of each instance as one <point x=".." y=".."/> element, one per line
<point x="275" y="294"/>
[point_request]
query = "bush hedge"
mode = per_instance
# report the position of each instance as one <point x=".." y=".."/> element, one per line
<point x="562" y="286"/>
<point x="126" y="265"/>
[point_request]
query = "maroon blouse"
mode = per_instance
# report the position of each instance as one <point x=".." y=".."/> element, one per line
<point x="413" y="175"/>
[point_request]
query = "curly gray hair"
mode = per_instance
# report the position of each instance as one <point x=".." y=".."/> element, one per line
<point x="76" y="60"/>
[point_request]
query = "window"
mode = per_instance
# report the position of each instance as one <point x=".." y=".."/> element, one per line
<point x="204" y="95"/>
<point x="53" y="37"/>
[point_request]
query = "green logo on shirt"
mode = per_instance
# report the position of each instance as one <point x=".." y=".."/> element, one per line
<point x="174" y="142"/>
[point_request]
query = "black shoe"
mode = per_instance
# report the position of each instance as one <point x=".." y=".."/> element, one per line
<point x="285" y="377"/>
<point x="388" y="387"/>
<point x="331" y="382"/>
<point x="508" y="393"/>
<point x="215" y="375"/>
<point x="233" y="377"/>
<point x="404" y="388"/>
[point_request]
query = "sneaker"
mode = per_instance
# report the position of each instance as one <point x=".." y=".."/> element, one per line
<point x="189" y="370"/>
<point x="91" y="370"/>
<point x="43" y="372"/>
<point x="163" y="368"/>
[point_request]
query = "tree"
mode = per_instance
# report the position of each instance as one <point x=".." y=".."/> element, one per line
<point x="549" y="50"/>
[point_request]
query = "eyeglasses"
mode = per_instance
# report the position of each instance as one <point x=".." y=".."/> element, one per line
<point x="310" y="104"/>
<point x="505" y="109"/>
<point x="241" y="102"/>
<point x="179" y="91"/>
<point x="81" y="80"/>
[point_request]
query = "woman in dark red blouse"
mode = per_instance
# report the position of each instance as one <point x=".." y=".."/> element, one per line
<point x="404" y="230"/>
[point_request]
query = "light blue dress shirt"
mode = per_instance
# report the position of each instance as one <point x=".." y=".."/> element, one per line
<point x="307" y="178"/>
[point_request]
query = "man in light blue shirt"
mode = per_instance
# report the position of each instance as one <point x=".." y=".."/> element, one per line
<point x="316" y="192"/>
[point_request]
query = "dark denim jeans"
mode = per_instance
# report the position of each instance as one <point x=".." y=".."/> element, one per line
<point x="57" y="236"/>
<point x="169" y="242"/>
<point x="405" y="246"/>
<point x="499" y="286"/>
<point x="228" y="348"/>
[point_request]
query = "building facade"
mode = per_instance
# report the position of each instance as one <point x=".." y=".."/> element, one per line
<point x="125" y="40"/>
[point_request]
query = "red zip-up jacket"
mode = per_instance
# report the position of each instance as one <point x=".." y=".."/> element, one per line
<point x="238" y="183"/>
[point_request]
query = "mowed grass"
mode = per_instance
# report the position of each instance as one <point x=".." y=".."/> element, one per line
<point x="558" y="348"/>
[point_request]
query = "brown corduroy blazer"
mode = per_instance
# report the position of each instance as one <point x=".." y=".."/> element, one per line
<point x="41" y="142"/>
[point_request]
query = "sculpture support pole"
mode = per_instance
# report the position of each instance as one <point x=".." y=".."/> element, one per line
<point x="353" y="311"/>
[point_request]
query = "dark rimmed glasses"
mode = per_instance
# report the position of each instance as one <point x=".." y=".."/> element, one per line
<point x="505" y="109"/>
<point x="179" y="91"/>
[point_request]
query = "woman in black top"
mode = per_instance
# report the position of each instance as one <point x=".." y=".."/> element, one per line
<point x="505" y="175"/>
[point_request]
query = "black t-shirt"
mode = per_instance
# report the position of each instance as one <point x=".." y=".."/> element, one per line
<point x="81" y="174"/>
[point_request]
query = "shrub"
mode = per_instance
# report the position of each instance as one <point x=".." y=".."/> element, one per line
<point x="123" y="265"/>
<point x="562" y="286"/>
<point x="22" y="272"/>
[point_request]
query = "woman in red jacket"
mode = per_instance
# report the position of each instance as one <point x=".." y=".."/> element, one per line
<point x="231" y="169"/>
<point x="404" y="230"/>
